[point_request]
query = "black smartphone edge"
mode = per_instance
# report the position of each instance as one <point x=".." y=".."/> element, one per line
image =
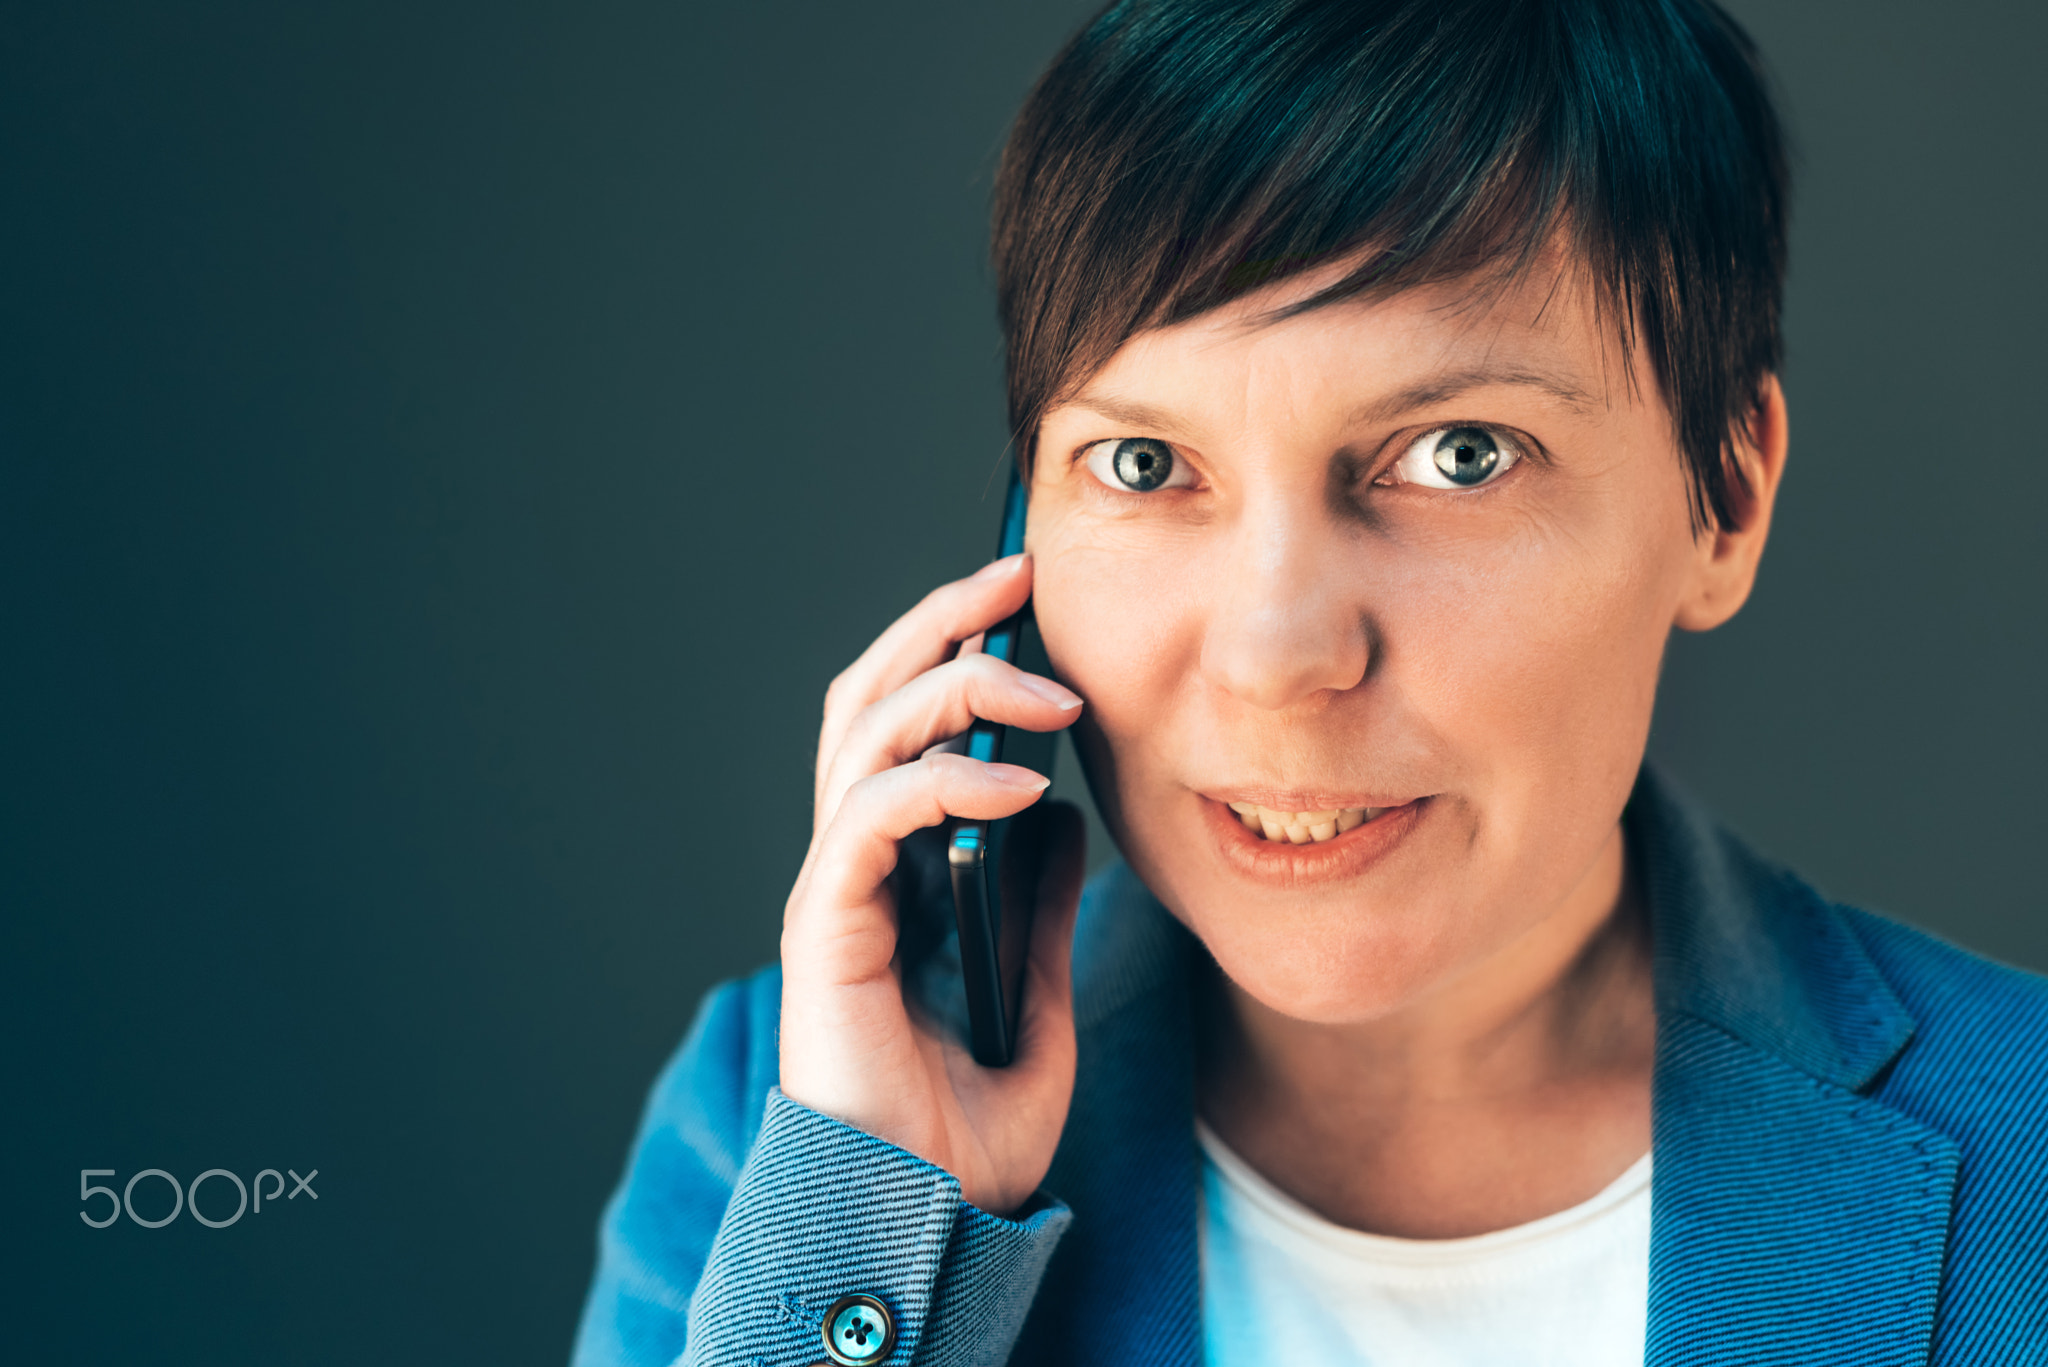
<point x="994" y="864"/>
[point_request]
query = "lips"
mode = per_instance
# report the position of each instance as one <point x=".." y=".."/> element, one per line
<point x="1314" y="844"/>
<point x="1301" y="828"/>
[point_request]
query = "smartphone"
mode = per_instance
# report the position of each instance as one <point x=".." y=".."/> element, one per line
<point x="995" y="864"/>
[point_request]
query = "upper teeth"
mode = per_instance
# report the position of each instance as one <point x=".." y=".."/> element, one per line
<point x="1302" y="828"/>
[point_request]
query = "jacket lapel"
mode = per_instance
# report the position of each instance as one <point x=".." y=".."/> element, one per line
<point x="1790" y="1221"/>
<point x="1793" y="1219"/>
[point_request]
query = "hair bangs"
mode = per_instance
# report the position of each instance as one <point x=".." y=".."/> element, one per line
<point x="1177" y="156"/>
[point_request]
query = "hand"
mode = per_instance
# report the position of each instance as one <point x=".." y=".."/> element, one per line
<point x="851" y="1046"/>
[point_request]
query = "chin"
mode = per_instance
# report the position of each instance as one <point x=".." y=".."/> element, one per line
<point x="1332" y="975"/>
<point x="1346" y="932"/>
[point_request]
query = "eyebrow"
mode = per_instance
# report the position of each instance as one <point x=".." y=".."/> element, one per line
<point x="1125" y="412"/>
<point x="1435" y="390"/>
<point x="1443" y="388"/>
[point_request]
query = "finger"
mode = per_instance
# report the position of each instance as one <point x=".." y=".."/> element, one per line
<point x="838" y="924"/>
<point x="1047" y="1028"/>
<point x="938" y="704"/>
<point x="921" y="638"/>
<point x="944" y="618"/>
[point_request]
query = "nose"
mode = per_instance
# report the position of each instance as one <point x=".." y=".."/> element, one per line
<point x="1285" y="623"/>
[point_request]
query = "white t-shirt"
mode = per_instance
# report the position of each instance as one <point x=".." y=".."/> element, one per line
<point x="1282" y="1285"/>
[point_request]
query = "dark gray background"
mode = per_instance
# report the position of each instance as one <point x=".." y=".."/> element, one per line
<point x="447" y="449"/>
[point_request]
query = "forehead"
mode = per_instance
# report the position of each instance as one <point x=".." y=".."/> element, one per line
<point x="1543" y="331"/>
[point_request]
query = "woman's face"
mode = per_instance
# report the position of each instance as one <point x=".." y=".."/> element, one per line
<point x="1416" y="556"/>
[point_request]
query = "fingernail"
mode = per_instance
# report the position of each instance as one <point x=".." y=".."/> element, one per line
<point x="1016" y="776"/>
<point x="1064" y="699"/>
<point x="996" y="568"/>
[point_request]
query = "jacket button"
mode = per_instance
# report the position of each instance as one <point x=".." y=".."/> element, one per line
<point x="858" y="1330"/>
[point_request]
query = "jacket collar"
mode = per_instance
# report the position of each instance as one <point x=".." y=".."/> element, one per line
<point x="1749" y="949"/>
<point x="1794" y="1218"/>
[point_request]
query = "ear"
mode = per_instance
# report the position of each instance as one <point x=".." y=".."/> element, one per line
<point x="1725" y="558"/>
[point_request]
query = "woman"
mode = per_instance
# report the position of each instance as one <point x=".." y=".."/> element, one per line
<point x="1390" y="379"/>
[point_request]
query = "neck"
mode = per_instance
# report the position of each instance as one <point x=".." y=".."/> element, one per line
<point x="1514" y="1090"/>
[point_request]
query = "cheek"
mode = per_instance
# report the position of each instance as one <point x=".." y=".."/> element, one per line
<point x="1111" y="634"/>
<point x="1119" y="629"/>
<point x="1536" y="659"/>
<point x="1114" y="620"/>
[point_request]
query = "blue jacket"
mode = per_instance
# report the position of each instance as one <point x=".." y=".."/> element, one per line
<point x="1850" y="1123"/>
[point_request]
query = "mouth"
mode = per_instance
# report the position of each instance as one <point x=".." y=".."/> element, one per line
<point x="1291" y="844"/>
<point x="1302" y="828"/>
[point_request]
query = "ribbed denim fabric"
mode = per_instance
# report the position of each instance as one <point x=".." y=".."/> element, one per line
<point x="737" y="1227"/>
<point x="873" y="1219"/>
<point x="1850" y="1120"/>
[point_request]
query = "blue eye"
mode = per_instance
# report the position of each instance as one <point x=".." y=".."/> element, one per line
<point x="1466" y="455"/>
<point x="1455" y="458"/>
<point x="1137" y="465"/>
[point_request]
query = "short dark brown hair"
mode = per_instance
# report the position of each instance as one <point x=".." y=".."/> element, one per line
<point x="1180" y="153"/>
